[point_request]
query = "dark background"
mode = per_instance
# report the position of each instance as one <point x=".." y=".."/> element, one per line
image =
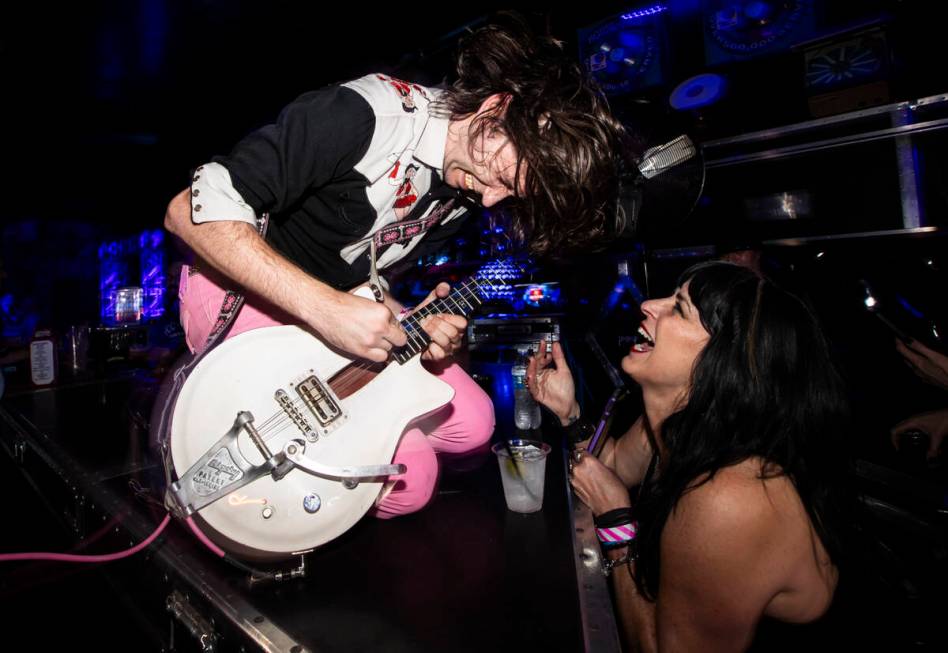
<point x="108" y="106"/>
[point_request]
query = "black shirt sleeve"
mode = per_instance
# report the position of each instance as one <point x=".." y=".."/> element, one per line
<point x="318" y="136"/>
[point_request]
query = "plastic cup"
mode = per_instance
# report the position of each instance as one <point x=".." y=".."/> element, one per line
<point x="522" y="471"/>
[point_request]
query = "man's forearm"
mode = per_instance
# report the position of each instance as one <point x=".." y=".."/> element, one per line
<point x="236" y="250"/>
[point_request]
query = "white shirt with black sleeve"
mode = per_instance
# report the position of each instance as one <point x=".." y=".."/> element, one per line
<point x="339" y="164"/>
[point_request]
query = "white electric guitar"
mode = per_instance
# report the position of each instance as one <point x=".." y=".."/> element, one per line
<point x="281" y="444"/>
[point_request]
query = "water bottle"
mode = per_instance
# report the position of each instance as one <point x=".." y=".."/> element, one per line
<point x="526" y="409"/>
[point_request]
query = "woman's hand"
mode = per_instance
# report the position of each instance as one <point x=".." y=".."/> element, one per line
<point x="597" y="485"/>
<point x="553" y="386"/>
<point x="929" y="365"/>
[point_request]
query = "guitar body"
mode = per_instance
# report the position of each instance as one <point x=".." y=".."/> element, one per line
<point x="271" y="519"/>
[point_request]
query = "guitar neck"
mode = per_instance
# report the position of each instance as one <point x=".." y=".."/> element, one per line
<point x="463" y="300"/>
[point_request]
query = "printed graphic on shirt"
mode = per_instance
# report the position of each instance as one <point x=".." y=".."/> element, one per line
<point x="405" y="90"/>
<point x="406" y="194"/>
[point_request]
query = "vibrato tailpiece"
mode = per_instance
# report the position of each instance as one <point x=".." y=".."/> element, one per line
<point x="223" y="469"/>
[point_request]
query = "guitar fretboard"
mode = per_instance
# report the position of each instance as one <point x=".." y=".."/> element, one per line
<point x="463" y="300"/>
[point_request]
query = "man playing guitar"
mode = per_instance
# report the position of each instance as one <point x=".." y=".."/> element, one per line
<point x="522" y="123"/>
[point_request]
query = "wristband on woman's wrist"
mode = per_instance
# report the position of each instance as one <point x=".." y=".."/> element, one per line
<point x="614" y="536"/>
<point x="578" y="429"/>
<point x="615" y="528"/>
<point x="615" y="517"/>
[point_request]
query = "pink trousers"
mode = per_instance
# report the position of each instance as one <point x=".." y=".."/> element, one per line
<point x="463" y="425"/>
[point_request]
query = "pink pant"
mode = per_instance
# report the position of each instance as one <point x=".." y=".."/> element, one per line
<point x="463" y="425"/>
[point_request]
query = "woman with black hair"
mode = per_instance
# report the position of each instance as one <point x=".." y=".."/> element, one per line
<point x="738" y="457"/>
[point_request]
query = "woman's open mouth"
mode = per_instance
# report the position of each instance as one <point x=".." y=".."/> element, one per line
<point x="643" y="341"/>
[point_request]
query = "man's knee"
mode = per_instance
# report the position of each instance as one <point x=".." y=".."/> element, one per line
<point x="480" y="416"/>
<point x="414" y="489"/>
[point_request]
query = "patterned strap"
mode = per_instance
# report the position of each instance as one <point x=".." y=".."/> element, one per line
<point x="399" y="232"/>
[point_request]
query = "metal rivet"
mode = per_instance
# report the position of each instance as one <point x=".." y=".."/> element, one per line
<point x="196" y="177"/>
<point x="196" y="192"/>
<point x="197" y="207"/>
<point x="267" y="512"/>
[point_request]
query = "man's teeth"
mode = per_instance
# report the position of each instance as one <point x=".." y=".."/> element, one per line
<point x="469" y="181"/>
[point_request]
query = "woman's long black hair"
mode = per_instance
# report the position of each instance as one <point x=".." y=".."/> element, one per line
<point x="764" y="386"/>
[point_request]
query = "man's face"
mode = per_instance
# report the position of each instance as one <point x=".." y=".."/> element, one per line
<point x="485" y="164"/>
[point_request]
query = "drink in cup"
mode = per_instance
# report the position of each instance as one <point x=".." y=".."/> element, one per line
<point x="522" y="471"/>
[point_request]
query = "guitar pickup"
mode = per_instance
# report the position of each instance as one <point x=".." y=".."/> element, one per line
<point x="321" y="402"/>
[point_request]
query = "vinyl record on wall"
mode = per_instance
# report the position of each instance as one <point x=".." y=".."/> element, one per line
<point x="735" y="30"/>
<point x="857" y="60"/>
<point x="698" y="91"/>
<point x="624" y="54"/>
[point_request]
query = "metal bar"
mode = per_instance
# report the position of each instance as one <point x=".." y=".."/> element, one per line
<point x="709" y="251"/>
<point x="793" y="150"/>
<point x="906" y="157"/>
<point x="778" y="132"/>
<point x="600" y="633"/>
<point x="863" y="234"/>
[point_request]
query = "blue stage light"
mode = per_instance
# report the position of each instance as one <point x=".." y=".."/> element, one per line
<point x="642" y="13"/>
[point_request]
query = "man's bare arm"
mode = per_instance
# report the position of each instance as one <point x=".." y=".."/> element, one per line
<point x="356" y="325"/>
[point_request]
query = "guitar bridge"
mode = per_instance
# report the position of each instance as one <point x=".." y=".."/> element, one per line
<point x="295" y="415"/>
<point x="321" y="402"/>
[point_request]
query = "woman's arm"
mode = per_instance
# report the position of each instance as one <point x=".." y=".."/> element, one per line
<point x="629" y="455"/>
<point x="636" y="614"/>
<point x="551" y="384"/>
<point x="603" y="491"/>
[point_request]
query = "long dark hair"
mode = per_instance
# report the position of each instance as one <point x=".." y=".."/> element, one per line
<point x="764" y="386"/>
<point x="560" y="124"/>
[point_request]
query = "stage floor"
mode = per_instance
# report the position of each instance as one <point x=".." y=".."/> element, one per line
<point x="465" y="574"/>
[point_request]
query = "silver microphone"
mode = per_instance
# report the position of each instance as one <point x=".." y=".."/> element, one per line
<point x="660" y="158"/>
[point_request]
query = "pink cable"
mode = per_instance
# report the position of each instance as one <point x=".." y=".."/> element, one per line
<point x="201" y="536"/>
<point x="69" y="557"/>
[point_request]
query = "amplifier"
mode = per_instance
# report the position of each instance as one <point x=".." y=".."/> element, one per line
<point x="511" y="331"/>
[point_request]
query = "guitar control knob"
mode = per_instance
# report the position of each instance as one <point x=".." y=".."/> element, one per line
<point x="312" y="503"/>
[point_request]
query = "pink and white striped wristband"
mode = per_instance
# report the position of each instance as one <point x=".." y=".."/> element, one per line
<point x="613" y="535"/>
